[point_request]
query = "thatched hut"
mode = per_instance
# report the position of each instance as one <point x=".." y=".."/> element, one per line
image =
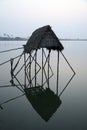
<point x="43" y="37"/>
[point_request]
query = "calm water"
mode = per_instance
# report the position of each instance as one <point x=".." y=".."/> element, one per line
<point x="71" y="115"/>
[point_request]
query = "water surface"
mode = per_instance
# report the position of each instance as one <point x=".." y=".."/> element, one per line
<point x="72" y="113"/>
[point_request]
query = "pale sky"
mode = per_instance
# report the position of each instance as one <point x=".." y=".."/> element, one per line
<point x="68" y="18"/>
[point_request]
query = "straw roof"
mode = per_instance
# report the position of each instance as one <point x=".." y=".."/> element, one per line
<point x="43" y="37"/>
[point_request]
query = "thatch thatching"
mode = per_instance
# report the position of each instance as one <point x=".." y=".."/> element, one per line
<point x="43" y="37"/>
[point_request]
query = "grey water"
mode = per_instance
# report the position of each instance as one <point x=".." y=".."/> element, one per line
<point x="72" y="113"/>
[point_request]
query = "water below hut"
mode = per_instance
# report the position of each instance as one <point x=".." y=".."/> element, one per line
<point x="20" y="114"/>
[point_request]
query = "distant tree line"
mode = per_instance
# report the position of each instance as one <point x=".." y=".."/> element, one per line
<point x="7" y="37"/>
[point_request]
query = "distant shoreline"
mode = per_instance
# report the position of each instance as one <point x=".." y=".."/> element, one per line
<point x="12" y="39"/>
<point x="73" y="39"/>
<point x="25" y="39"/>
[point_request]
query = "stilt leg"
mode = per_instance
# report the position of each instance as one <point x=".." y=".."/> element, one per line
<point x="57" y="71"/>
<point x="30" y="69"/>
<point x="24" y="70"/>
<point x="48" y="66"/>
<point x="35" y="68"/>
<point x="42" y="66"/>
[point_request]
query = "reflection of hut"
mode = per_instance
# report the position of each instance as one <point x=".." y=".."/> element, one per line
<point x="43" y="37"/>
<point x="44" y="101"/>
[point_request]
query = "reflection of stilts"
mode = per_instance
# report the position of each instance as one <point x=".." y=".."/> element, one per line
<point x="12" y="81"/>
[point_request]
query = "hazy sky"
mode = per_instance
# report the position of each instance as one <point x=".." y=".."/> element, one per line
<point x="68" y="18"/>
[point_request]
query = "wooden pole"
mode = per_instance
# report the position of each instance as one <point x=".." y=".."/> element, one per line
<point x="30" y="70"/>
<point x="35" y="68"/>
<point x="42" y="66"/>
<point x="68" y="63"/>
<point x="48" y="66"/>
<point x="25" y="70"/>
<point x="57" y="71"/>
